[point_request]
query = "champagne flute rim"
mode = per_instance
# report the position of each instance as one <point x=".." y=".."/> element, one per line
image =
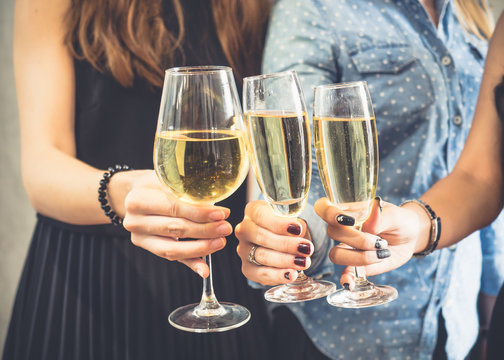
<point x="270" y="75"/>
<point x="342" y="85"/>
<point x="194" y="70"/>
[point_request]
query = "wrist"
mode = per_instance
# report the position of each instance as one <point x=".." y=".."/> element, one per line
<point x="435" y="228"/>
<point x="423" y="226"/>
<point x="112" y="192"/>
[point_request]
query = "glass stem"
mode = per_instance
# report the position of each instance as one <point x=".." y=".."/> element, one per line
<point x="208" y="306"/>
<point x="361" y="282"/>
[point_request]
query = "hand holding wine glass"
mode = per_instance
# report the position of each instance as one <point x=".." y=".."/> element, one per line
<point x="281" y="145"/>
<point x="346" y="147"/>
<point x="200" y="155"/>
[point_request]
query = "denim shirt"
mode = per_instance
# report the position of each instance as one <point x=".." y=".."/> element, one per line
<point x="424" y="83"/>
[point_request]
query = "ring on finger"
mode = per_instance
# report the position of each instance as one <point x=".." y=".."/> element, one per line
<point x="251" y="255"/>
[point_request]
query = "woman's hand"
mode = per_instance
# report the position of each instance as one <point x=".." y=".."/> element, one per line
<point x="402" y="228"/>
<point x="158" y="220"/>
<point x="282" y="245"/>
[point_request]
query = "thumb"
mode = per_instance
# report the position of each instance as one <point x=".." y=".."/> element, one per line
<point x="372" y="224"/>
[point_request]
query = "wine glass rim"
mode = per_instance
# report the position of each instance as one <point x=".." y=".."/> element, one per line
<point x="270" y="75"/>
<point x="343" y="84"/>
<point x="192" y="70"/>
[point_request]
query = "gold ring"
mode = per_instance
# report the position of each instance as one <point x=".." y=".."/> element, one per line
<point x="251" y="255"/>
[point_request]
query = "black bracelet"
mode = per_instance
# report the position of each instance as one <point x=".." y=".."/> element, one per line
<point x="102" y="193"/>
<point x="435" y="232"/>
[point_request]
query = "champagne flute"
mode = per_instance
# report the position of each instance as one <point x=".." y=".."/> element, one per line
<point x="346" y="148"/>
<point x="281" y="144"/>
<point x="200" y="155"/>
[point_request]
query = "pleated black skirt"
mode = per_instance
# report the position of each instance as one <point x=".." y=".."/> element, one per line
<point x="92" y="295"/>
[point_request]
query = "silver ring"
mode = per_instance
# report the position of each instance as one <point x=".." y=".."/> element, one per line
<point x="251" y="255"/>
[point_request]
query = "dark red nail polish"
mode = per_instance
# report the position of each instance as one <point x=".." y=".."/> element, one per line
<point x="294" y="229"/>
<point x="346" y="286"/>
<point x="304" y="248"/>
<point x="300" y="261"/>
<point x="287" y="275"/>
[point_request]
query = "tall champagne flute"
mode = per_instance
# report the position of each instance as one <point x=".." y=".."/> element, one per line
<point x="346" y="147"/>
<point x="200" y="155"/>
<point x="281" y="144"/>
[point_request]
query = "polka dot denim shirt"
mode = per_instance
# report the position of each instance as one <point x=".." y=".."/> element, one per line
<point x="424" y="83"/>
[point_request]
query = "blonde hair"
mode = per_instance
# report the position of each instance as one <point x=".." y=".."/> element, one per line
<point x="475" y="17"/>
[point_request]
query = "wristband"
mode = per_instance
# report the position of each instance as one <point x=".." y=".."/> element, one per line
<point x="102" y="193"/>
<point x="435" y="231"/>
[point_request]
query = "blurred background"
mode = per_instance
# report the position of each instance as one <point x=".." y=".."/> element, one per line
<point x="16" y="215"/>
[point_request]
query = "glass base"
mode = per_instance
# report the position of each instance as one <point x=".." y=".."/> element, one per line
<point x="300" y="290"/>
<point x="361" y="296"/>
<point x="194" y="319"/>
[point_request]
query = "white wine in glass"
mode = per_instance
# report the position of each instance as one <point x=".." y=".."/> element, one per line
<point x="200" y="154"/>
<point x="281" y="144"/>
<point x="346" y="147"/>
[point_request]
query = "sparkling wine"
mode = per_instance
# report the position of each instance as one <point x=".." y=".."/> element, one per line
<point x="347" y="158"/>
<point x="201" y="166"/>
<point x="282" y="158"/>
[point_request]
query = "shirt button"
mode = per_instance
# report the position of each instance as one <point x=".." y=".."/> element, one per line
<point x="457" y="119"/>
<point x="446" y="60"/>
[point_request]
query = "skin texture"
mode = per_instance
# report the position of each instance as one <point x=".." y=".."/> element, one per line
<point x="477" y="176"/>
<point x="63" y="187"/>
<point x="469" y="198"/>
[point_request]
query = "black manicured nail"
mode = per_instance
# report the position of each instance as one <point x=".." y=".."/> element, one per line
<point x="294" y="229"/>
<point x="381" y="243"/>
<point x="287" y="275"/>
<point x="345" y="220"/>
<point x="346" y="286"/>
<point x="304" y="248"/>
<point x="380" y="203"/>
<point x="382" y="254"/>
<point x="300" y="261"/>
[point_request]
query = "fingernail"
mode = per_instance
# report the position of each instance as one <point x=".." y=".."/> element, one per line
<point x="381" y="243"/>
<point x="380" y="202"/>
<point x="346" y="286"/>
<point x="200" y="272"/>
<point x="304" y="248"/>
<point x="300" y="261"/>
<point x="382" y="254"/>
<point x="216" y="243"/>
<point x="345" y="220"/>
<point x="217" y="215"/>
<point x="287" y="275"/>
<point x="294" y="229"/>
<point x="223" y="229"/>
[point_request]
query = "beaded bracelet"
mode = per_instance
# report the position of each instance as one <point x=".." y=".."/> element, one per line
<point x="102" y="193"/>
<point x="435" y="231"/>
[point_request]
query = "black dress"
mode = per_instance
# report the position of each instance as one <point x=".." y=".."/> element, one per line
<point x="87" y="292"/>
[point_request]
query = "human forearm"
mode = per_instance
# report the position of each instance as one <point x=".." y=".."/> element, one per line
<point x="465" y="204"/>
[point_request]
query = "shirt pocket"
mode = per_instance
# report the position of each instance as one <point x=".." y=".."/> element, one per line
<point x="398" y="83"/>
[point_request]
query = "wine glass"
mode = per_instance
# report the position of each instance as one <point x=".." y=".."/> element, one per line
<point x="200" y="154"/>
<point x="280" y="139"/>
<point x="346" y="148"/>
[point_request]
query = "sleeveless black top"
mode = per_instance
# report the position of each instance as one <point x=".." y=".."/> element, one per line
<point x="87" y="292"/>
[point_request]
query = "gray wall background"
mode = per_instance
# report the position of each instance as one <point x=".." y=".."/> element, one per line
<point x="16" y="215"/>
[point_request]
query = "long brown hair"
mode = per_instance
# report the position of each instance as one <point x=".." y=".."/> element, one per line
<point x="129" y="38"/>
<point x="475" y="17"/>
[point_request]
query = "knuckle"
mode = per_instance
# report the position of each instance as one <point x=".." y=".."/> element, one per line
<point x="169" y="255"/>
<point x="175" y="229"/>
